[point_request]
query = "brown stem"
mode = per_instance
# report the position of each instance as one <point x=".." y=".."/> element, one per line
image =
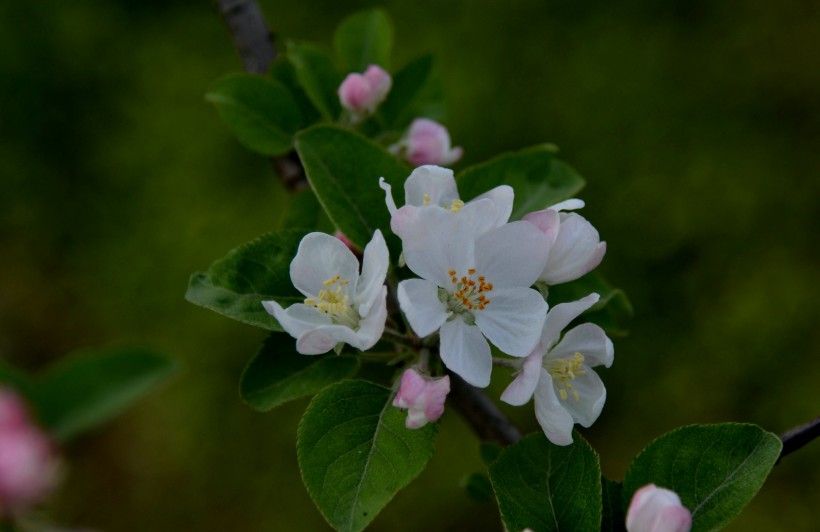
<point x="481" y="413"/>
<point x="250" y="33"/>
<point x="798" y="437"/>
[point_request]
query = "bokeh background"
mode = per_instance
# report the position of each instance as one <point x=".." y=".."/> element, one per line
<point x="696" y="124"/>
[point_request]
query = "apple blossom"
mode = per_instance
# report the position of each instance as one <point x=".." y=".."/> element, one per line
<point x="423" y="398"/>
<point x="427" y="142"/>
<point x="340" y="305"/>
<point x="361" y="94"/>
<point x="566" y="390"/>
<point x="432" y="186"/>
<point x="472" y="287"/>
<point x="655" y="509"/>
<point x="575" y="247"/>
<point x="29" y="467"/>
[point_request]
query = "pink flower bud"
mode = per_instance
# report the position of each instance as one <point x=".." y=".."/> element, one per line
<point x="423" y="398"/>
<point x="28" y="465"/>
<point x="427" y="142"/>
<point x="346" y="241"/>
<point x="655" y="509"/>
<point x="361" y="94"/>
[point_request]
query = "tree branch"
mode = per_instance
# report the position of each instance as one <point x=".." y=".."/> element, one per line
<point x="798" y="437"/>
<point x="481" y="413"/>
<point x="250" y="33"/>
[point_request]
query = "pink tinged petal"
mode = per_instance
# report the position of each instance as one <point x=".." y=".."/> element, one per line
<point x="13" y="411"/>
<point x="511" y="255"/>
<point x="375" y="261"/>
<point x="371" y="326"/>
<point x="434" y="182"/>
<point x="424" y="150"/>
<point x="520" y="391"/>
<point x="410" y="389"/>
<point x="321" y="257"/>
<point x="591" y="398"/>
<point x="29" y="469"/>
<point x="513" y="319"/>
<point x="419" y="301"/>
<point x="388" y="196"/>
<point x="577" y="251"/>
<point x="561" y="315"/>
<point x="655" y="509"/>
<point x="298" y="318"/>
<point x="355" y="93"/>
<point x="453" y="155"/>
<point x="548" y="221"/>
<point x="436" y="394"/>
<point x="428" y="142"/>
<point x="380" y="83"/>
<point x="436" y="242"/>
<point x="568" y="205"/>
<point x="502" y="197"/>
<point x="465" y="352"/>
<point x="555" y="421"/>
<point x="589" y="340"/>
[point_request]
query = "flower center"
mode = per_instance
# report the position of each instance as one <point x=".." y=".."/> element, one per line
<point x="565" y="370"/>
<point x="467" y="293"/>
<point x="455" y="206"/>
<point x="334" y="301"/>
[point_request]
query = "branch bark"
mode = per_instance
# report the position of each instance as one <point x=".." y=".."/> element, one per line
<point x="481" y="413"/>
<point x="251" y="35"/>
<point x="798" y="437"/>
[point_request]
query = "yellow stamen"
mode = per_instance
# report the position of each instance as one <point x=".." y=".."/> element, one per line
<point x="426" y="200"/>
<point x="457" y="205"/>
<point x="565" y="370"/>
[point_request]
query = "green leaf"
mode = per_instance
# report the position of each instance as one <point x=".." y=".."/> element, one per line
<point x="355" y="452"/>
<point x="612" y="312"/>
<point x="319" y="77"/>
<point x="715" y="469"/>
<point x="542" y="486"/>
<point x="259" y="111"/>
<point x="613" y="518"/>
<point x="415" y="92"/>
<point x="91" y="387"/>
<point x="477" y="486"/>
<point x="489" y="451"/>
<point x="304" y="210"/>
<point x="278" y="374"/>
<point x="282" y="71"/>
<point x="365" y="38"/>
<point x="539" y="179"/>
<point x="236" y="285"/>
<point x="344" y="169"/>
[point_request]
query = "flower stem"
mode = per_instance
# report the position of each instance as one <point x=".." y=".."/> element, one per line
<point x="506" y="363"/>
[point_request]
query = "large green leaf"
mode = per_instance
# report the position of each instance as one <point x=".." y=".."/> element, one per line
<point x="542" y="486"/>
<point x="304" y="210"/>
<point x="539" y="179"/>
<point x="319" y="77"/>
<point x="236" y="285"/>
<point x="715" y="469"/>
<point x="613" y="518"/>
<point x="91" y="387"/>
<point x="416" y="92"/>
<point x="259" y="111"/>
<point x="282" y="71"/>
<point x="612" y="312"/>
<point x="278" y="374"/>
<point x="365" y="38"/>
<point x="355" y="452"/>
<point x="344" y="170"/>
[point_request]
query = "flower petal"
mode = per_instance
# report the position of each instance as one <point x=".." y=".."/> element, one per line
<point x="375" y="261"/>
<point x="577" y="251"/>
<point x="512" y="255"/>
<point x="591" y="398"/>
<point x="321" y="257"/>
<point x="465" y="352"/>
<point x="523" y="387"/>
<point x="437" y="241"/>
<point x="323" y="338"/>
<point x="555" y="421"/>
<point x="371" y="326"/>
<point x="589" y="340"/>
<point x="513" y="319"/>
<point x="419" y="301"/>
<point x="297" y="318"/>
<point x="502" y="197"/>
<point x="548" y="221"/>
<point x="435" y="182"/>
<point x="568" y="205"/>
<point x="561" y="315"/>
<point x="388" y="196"/>
<point x="481" y="215"/>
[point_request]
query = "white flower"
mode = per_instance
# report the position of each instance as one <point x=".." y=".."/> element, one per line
<point x="340" y="305"/>
<point x="473" y="286"/>
<point x="434" y="187"/>
<point x="655" y="509"/>
<point x="566" y="390"/>
<point x="427" y="142"/>
<point x="575" y="247"/>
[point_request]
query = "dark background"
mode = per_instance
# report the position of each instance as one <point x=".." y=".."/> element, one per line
<point x="696" y="124"/>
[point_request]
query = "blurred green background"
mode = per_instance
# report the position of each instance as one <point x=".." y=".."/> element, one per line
<point x="696" y="124"/>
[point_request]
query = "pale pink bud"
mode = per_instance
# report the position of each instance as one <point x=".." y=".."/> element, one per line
<point x="28" y="464"/>
<point x="346" y="241"/>
<point x="655" y="509"/>
<point x="361" y="94"/>
<point x="423" y="398"/>
<point x="428" y="142"/>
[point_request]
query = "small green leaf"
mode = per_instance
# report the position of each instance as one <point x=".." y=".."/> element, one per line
<point x="612" y="312"/>
<point x="319" y="77"/>
<point x="259" y="111"/>
<point x="236" y="285"/>
<point x="613" y="518"/>
<point x="489" y="452"/>
<point x="344" y="170"/>
<point x="542" y="486"/>
<point x="91" y="387"/>
<point x="715" y="469"/>
<point x="282" y="71"/>
<point x="415" y="92"/>
<point x="355" y="452"/>
<point x="365" y="38"/>
<point x="278" y="374"/>
<point x="477" y="486"/>
<point x="538" y="178"/>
